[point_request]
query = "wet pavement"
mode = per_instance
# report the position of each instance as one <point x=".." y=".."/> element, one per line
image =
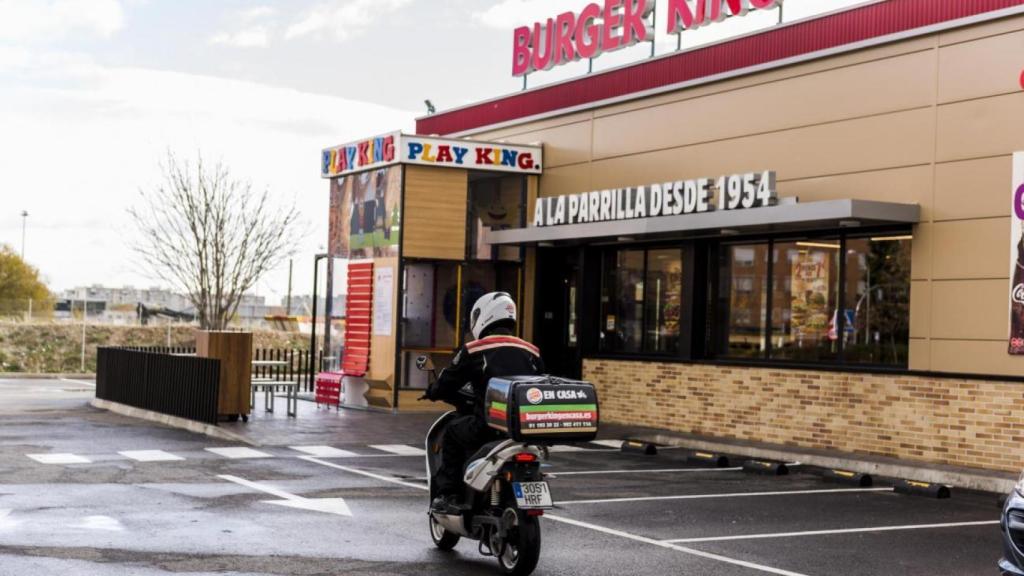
<point x="126" y="497"/>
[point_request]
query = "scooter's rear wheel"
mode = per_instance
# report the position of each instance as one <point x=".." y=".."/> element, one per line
<point x="522" y="547"/>
<point x="442" y="538"/>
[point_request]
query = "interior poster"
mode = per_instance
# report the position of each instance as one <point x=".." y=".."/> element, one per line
<point x="810" y="295"/>
<point x="383" y="304"/>
<point x="1016" y="298"/>
<point x="366" y="214"/>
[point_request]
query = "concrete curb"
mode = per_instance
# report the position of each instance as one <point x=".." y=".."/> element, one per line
<point x="997" y="482"/>
<point x="171" y="421"/>
<point x="33" y="376"/>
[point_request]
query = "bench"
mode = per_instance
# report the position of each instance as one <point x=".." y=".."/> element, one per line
<point x="269" y="387"/>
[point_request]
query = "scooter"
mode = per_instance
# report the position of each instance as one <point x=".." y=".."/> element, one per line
<point x="505" y="495"/>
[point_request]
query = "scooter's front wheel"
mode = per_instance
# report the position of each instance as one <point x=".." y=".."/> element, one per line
<point x="522" y="546"/>
<point x="442" y="538"/>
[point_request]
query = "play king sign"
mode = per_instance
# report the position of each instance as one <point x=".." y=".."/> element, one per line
<point x="613" y="25"/>
<point x="398" y="148"/>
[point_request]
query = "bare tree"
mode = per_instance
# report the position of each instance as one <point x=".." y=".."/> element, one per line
<point x="211" y="235"/>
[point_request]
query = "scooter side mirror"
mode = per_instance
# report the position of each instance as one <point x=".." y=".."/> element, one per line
<point x="424" y="363"/>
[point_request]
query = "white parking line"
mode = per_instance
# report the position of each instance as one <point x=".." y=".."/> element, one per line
<point x="729" y="495"/>
<point x="150" y="456"/>
<point x="643" y="471"/>
<point x="670" y="546"/>
<point x="59" y="458"/>
<point x="577" y="523"/>
<point x="364" y="473"/>
<point x="830" y="532"/>
<point x="238" y="453"/>
<point x="400" y="449"/>
<point x="324" y="451"/>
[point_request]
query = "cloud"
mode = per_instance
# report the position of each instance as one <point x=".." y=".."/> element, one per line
<point x="254" y="37"/>
<point x="509" y="14"/>
<point x="99" y="133"/>
<point x="47" y="20"/>
<point x="256" y="28"/>
<point x="342" y="19"/>
<point x="256" y="13"/>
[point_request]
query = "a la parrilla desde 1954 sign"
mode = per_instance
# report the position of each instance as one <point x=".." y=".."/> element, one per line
<point x="612" y="25"/>
<point x="398" y="148"/>
<point x="735" y="192"/>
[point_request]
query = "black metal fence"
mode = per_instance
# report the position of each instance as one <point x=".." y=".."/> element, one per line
<point x="174" y="384"/>
<point x="291" y="365"/>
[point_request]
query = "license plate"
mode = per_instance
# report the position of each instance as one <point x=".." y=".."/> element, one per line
<point x="532" y="495"/>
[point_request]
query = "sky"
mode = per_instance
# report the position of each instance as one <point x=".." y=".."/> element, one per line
<point x="94" y="93"/>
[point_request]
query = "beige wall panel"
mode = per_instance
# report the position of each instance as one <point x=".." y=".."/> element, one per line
<point x="911" y="185"/>
<point x="970" y="309"/>
<point x="842" y="147"/>
<point x="920" y="308"/>
<point x="779" y="74"/>
<point x="973" y="189"/>
<point x="921" y="252"/>
<point x="972" y="249"/>
<point x="975" y="357"/>
<point x="434" y="223"/>
<point x="566" y="180"/>
<point x="524" y="128"/>
<point x="1001" y="26"/>
<point x="979" y="128"/>
<point x="826" y="97"/>
<point x="983" y="67"/>
<point x="920" y="355"/>
<point x="562" y="145"/>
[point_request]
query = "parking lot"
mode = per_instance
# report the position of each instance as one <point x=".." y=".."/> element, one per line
<point x="86" y="492"/>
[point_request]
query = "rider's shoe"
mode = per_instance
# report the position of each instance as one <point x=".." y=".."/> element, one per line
<point x="446" y="504"/>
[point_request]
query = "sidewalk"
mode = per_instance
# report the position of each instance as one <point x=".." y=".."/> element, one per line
<point x="326" y="426"/>
<point x="957" y="476"/>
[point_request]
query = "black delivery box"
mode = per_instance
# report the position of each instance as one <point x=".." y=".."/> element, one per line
<point x="542" y="409"/>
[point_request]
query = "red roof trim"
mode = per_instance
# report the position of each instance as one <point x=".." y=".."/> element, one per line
<point x="802" y="38"/>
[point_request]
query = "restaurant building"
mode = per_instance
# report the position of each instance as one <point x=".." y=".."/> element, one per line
<point x="805" y="236"/>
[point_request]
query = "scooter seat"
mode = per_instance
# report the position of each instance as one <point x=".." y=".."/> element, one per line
<point x="482" y="452"/>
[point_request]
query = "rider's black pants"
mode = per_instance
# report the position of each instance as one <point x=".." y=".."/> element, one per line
<point x="462" y="438"/>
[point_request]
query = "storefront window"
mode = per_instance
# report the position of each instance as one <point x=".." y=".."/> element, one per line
<point x="495" y="203"/>
<point x="664" y="283"/>
<point x="877" y="327"/>
<point x="805" y="276"/>
<point x="743" y="304"/>
<point x="641" y="301"/>
<point x="805" y="285"/>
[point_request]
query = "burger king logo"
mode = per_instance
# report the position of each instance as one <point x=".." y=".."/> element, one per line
<point x="534" y="396"/>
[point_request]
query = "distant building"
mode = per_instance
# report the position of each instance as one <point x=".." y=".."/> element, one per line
<point x="303" y="305"/>
<point x="117" y="305"/>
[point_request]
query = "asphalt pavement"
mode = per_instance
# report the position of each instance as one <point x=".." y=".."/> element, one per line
<point x="86" y="492"/>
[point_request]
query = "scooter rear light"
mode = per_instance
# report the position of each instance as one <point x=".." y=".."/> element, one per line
<point x="534" y="512"/>
<point x="525" y="457"/>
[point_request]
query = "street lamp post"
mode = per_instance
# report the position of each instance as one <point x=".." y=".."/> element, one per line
<point x="24" y="221"/>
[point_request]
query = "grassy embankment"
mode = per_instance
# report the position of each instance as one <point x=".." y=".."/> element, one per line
<point x="57" y="348"/>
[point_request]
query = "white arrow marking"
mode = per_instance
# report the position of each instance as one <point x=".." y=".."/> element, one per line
<point x="100" y="523"/>
<point x="325" y="505"/>
<point x="5" y="521"/>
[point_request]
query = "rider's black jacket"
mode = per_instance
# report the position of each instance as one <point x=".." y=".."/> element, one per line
<point x="500" y="354"/>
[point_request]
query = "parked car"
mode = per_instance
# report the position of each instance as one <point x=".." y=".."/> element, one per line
<point x="1012" y="526"/>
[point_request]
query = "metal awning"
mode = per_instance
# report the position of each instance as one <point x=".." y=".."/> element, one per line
<point x="787" y="217"/>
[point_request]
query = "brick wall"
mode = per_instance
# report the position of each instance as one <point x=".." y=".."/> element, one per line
<point x="938" y="420"/>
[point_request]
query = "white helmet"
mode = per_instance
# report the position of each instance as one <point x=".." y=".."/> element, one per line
<point x="491" y="308"/>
